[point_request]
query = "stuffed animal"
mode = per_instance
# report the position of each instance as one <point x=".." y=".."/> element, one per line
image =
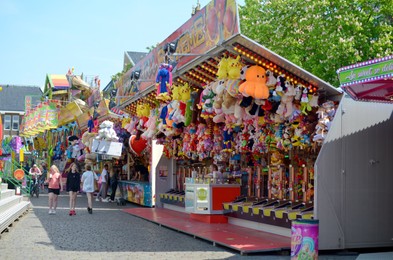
<point x="271" y="80"/>
<point x="87" y="140"/>
<point x="151" y="125"/>
<point x="285" y="108"/>
<point x="243" y="72"/>
<point x="206" y="102"/>
<point x="255" y="85"/>
<point x="131" y="126"/>
<point x="222" y="72"/>
<point x="304" y="102"/>
<point x="107" y="132"/>
<point x="74" y="150"/>
<point x="234" y="67"/>
<point x="164" y="82"/>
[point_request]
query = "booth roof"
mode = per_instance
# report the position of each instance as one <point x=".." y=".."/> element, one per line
<point x="369" y="81"/>
<point x="229" y="45"/>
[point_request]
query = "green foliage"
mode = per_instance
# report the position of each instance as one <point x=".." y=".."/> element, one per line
<point x="319" y="35"/>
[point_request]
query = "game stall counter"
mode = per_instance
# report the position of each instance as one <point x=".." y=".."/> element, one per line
<point x="137" y="192"/>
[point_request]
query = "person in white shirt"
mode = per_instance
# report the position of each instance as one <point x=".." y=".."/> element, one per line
<point x="87" y="180"/>
<point x="104" y="184"/>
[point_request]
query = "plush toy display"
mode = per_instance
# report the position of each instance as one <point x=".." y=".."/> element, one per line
<point x="190" y="108"/>
<point x="87" y="140"/>
<point x="107" y="132"/>
<point x="234" y="67"/>
<point x="151" y="125"/>
<point x="164" y="82"/>
<point x="222" y="72"/>
<point x="271" y="80"/>
<point x="255" y="85"/>
<point x="206" y="102"/>
<point x="286" y="106"/>
<point x="74" y="150"/>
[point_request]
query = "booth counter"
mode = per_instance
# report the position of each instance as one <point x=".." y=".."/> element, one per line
<point x="209" y="198"/>
<point x="137" y="192"/>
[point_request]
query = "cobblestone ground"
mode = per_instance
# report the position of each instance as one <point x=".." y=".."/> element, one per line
<point x="110" y="233"/>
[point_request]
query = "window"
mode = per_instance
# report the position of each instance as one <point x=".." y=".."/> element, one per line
<point x="15" y="122"/>
<point x="7" y="122"/>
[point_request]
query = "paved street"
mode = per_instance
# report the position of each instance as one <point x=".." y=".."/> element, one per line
<point x="108" y="233"/>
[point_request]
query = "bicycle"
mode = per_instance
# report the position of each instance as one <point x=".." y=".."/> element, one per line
<point x="34" y="188"/>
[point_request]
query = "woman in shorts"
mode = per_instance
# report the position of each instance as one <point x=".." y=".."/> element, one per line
<point x="54" y="187"/>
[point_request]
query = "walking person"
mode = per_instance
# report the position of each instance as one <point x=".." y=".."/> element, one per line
<point x="73" y="186"/>
<point x="55" y="185"/>
<point x="88" y="178"/>
<point x="104" y="184"/>
<point x="114" y="182"/>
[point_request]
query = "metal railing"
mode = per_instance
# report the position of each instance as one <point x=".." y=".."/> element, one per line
<point x="8" y="177"/>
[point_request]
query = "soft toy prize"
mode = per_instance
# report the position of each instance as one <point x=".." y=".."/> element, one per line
<point x="164" y="82"/>
<point x="255" y="85"/>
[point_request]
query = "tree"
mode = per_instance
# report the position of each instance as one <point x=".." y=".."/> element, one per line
<point x="319" y="35"/>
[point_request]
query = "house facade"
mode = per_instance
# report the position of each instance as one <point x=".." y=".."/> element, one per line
<point x="12" y="106"/>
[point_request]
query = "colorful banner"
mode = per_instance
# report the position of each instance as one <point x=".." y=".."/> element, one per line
<point x="213" y="24"/>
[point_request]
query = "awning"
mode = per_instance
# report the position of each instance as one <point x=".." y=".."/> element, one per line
<point x="57" y="82"/>
<point x="369" y="81"/>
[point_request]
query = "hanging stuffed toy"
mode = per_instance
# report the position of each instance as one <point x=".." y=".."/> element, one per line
<point x="285" y="108"/>
<point x="234" y="67"/>
<point x="222" y="72"/>
<point x="164" y="82"/>
<point x="107" y="132"/>
<point x="271" y="80"/>
<point x="137" y="144"/>
<point x="255" y="85"/>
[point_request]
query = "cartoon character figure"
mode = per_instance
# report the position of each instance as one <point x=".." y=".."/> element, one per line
<point x="164" y="82"/>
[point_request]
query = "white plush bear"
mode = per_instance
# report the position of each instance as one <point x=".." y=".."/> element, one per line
<point x="107" y="132"/>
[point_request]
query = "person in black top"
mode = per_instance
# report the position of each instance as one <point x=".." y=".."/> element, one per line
<point x="142" y="172"/>
<point x="73" y="186"/>
<point x="113" y="180"/>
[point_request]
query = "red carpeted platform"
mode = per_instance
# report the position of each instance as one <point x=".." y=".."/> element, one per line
<point x="238" y="238"/>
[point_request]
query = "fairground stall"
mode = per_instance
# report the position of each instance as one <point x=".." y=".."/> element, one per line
<point x="247" y="137"/>
<point x="74" y="124"/>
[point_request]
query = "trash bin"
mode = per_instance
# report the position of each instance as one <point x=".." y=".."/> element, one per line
<point x="304" y="239"/>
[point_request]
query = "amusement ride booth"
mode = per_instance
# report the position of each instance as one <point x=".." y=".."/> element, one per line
<point x="237" y="134"/>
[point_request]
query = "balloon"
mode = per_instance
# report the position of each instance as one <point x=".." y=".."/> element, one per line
<point x="137" y="145"/>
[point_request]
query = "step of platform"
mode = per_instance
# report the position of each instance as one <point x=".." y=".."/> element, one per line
<point x="7" y="203"/>
<point x="6" y="194"/>
<point x="4" y="186"/>
<point x="7" y="217"/>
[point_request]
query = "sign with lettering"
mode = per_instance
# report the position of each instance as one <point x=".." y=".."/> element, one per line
<point x="210" y="26"/>
<point x="366" y="71"/>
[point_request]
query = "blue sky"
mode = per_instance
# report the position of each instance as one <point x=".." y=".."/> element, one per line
<point x="41" y="36"/>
